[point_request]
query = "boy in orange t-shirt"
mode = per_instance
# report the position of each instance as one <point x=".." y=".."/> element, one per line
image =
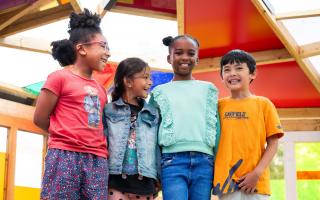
<point x="248" y="123"/>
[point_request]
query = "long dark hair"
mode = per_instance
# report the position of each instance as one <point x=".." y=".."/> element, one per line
<point x="126" y="69"/>
<point x="82" y="28"/>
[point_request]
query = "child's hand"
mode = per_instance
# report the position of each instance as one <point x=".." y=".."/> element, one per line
<point x="248" y="182"/>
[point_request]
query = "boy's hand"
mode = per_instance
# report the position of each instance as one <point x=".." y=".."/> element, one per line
<point x="248" y="182"/>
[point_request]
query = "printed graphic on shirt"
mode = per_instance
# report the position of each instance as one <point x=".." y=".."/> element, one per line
<point x="235" y="115"/>
<point x="233" y="185"/>
<point x="92" y="106"/>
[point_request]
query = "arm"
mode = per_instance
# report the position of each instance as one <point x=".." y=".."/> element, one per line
<point x="249" y="181"/>
<point x="45" y="104"/>
<point x="218" y="132"/>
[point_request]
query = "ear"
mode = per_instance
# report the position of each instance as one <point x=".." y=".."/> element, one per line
<point x="127" y="82"/>
<point x="253" y="75"/>
<point x="168" y="59"/>
<point x="81" y="49"/>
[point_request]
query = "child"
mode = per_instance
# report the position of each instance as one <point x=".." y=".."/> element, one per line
<point x="70" y="108"/>
<point x="248" y="122"/>
<point x="131" y="126"/>
<point x="189" y="126"/>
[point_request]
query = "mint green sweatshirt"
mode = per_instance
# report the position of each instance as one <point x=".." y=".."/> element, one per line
<point x="189" y="117"/>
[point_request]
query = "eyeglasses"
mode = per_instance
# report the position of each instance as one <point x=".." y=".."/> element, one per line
<point x="103" y="44"/>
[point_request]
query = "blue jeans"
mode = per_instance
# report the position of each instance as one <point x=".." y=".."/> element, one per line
<point x="186" y="175"/>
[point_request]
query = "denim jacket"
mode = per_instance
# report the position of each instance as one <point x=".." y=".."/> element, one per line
<point x="116" y="121"/>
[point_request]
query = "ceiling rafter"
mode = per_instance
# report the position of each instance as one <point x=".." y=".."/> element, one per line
<point x="142" y="12"/>
<point x="76" y="5"/>
<point x="299" y="14"/>
<point x="26" y="43"/>
<point x="261" y="57"/>
<point x="23" y="12"/>
<point x="35" y="20"/>
<point x="309" y="50"/>
<point x="288" y="41"/>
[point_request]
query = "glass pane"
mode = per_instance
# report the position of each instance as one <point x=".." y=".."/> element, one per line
<point x="308" y="189"/>
<point x="3" y="147"/>
<point x="284" y="6"/>
<point x="308" y="159"/>
<point x="277" y="176"/>
<point x="315" y="60"/>
<point x="28" y="165"/>
<point x="303" y="29"/>
<point x="307" y="156"/>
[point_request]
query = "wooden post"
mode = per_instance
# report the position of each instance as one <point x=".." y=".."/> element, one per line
<point x="11" y="163"/>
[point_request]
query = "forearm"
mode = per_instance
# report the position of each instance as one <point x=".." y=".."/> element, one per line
<point x="42" y="123"/>
<point x="271" y="150"/>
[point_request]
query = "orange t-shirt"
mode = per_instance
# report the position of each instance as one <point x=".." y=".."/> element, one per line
<point x="245" y="126"/>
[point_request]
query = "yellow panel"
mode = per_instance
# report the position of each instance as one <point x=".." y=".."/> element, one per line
<point x="22" y="193"/>
<point x="126" y="1"/>
<point x="2" y="175"/>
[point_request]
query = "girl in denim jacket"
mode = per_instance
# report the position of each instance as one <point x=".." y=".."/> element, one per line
<point x="131" y="127"/>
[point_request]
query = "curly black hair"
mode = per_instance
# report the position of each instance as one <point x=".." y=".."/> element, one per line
<point x="82" y="28"/>
<point x="169" y="40"/>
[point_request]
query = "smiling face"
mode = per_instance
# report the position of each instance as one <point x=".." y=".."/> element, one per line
<point x="183" y="57"/>
<point x="140" y="83"/>
<point x="237" y="77"/>
<point x="96" y="52"/>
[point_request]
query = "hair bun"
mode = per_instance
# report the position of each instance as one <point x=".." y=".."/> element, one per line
<point x="86" y="19"/>
<point x="167" y="40"/>
<point x="63" y="51"/>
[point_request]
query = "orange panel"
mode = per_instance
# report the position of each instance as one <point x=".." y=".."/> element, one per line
<point x="284" y="83"/>
<point x="224" y="25"/>
<point x="308" y="175"/>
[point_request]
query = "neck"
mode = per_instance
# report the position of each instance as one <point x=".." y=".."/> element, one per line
<point x="240" y="94"/>
<point x="182" y="78"/>
<point x="130" y="99"/>
<point x="81" y="70"/>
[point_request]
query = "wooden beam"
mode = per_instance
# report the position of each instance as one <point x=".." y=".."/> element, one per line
<point x="16" y="91"/>
<point x="309" y="50"/>
<point x="25" y="43"/>
<point x="300" y="119"/>
<point x="262" y="58"/>
<point x="104" y="6"/>
<point x="299" y="112"/>
<point x="11" y="162"/>
<point x="76" y="5"/>
<point x="289" y="42"/>
<point x="180" y="16"/>
<point x="298" y="14"/>
<point x="143" y="12"/>
<point x="22" y="13"/>
<point x="38" y="19"/>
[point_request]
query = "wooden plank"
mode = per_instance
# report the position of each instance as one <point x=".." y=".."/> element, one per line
<point x="143" y="12"/>
<point x="299" y="112"/>
<point x="261" y="57"/>
<point x="301" y="124"/>
<point x="22" y="13"/>
<point x="308" y="175"/>
<point x="298" y="14"/>
<point x="11" y="160"/>
<point x="180" y="16"/>
<point x="26" y="43"/>
<point x="104" y="6"/>
<point x="16" y="91"/>
<point x="38" y="19"/>
<point x="76" y="5"/>
<point x="288" y="41"/>
<point x="309" y="50"/>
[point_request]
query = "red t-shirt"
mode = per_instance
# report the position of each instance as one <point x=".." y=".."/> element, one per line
<point x="76" y="121"/>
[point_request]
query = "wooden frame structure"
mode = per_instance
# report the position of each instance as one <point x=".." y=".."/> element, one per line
<point x="14" y="117"/>
<point x="298" y="52"/>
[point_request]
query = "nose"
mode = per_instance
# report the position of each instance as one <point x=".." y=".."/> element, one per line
<point x="107" y="52"/>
